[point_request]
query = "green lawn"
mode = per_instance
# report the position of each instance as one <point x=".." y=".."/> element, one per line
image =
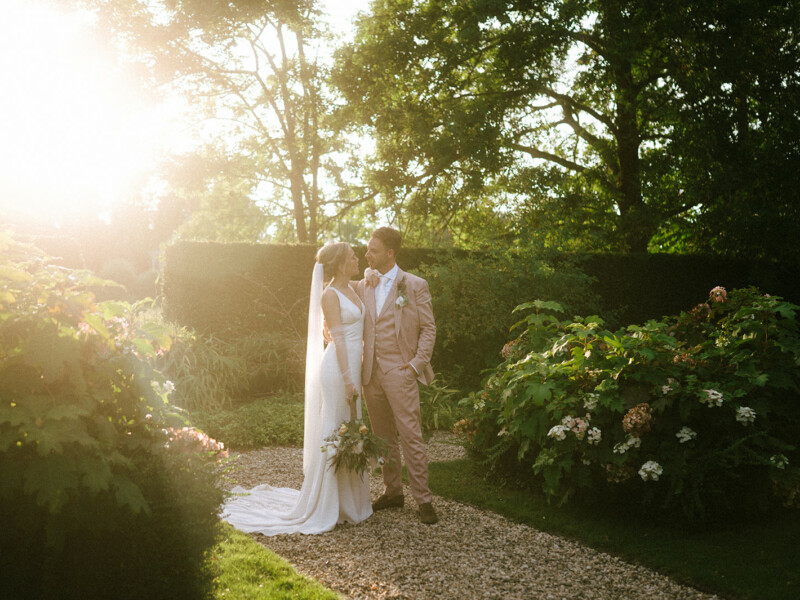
<point x="246" y="570"/>
<point x="754" y="561"/>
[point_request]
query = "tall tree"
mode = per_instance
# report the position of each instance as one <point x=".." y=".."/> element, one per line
<point x="257" y="72"/>
<point x="734" y="150"/>
<point x="464" y="95"/>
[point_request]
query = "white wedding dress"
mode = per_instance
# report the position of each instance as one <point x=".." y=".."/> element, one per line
<point x="326" y="498"/>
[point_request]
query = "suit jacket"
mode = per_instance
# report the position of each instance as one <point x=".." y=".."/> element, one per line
<point x="415" y="328"/>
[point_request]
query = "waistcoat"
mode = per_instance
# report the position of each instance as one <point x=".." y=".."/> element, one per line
<point x="387" y="350"/>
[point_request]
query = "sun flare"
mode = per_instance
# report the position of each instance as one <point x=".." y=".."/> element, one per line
<point x="78" y="134"/>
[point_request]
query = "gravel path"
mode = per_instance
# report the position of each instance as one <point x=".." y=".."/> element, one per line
<point x="469" y="554"/>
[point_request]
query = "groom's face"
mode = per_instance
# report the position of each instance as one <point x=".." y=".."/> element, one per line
<point x="379" y="256"/>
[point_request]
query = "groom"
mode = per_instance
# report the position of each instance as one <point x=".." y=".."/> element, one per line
<point x="399" y="333"/>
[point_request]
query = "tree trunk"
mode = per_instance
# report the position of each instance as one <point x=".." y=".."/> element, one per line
<point x="636" y="226"/>
<point x="296" y="186"/>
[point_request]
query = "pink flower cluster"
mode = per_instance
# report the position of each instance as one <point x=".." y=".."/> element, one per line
<point x="508" y="349"/>
<point x="189" y="439"/>
<point x="577" y="425"/>
<point x="718" y="294"/>
<point x="637" y="420"/>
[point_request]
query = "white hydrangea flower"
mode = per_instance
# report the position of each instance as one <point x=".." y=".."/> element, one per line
<point x="650" y="471"/>
<point x="623" y="447"/>
<point x="745" y="414"/>
<point x="558" y="432"/>
<point x="779" y="461"/>
<point x="666" y="389"/>
<point x="712" y="398"/>
<point x="590" y="402"/>
<point x="594" y="436"/>
<point x="685" y="434"/>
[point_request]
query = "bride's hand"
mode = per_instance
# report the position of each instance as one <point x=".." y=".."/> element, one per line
<point x="351" y="393"/>
<point x="372" y="276"/>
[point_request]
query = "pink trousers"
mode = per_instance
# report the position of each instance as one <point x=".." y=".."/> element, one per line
<point x="393" y="403"/>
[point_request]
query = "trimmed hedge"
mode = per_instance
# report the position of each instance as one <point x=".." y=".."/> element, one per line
<point x="230" y="289"/>
<point x="637" y="287"/>
<point x="226" y="289"/>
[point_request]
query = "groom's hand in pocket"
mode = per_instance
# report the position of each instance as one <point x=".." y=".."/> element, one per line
<point x="409" y="369"/>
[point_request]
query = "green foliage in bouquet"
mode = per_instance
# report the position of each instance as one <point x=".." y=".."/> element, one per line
<point x="104" y="492"/>
<point x="354" y="447"/>
<point x="696" y="415"/>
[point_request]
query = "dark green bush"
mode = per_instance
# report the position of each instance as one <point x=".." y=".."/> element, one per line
<point x="104" y="494"/>
<point x="233" y="289"/>
<point x="696" y="416"/>
<point x="636" y="287"/>
<point x="473" y="297"/>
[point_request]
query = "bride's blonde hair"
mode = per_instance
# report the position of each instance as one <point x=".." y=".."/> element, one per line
<point x="331" y="256"/>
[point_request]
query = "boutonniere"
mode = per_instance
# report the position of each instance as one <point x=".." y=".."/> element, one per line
<point x="402" y="293"/>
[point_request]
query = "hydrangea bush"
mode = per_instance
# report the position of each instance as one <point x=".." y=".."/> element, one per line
<point x="105" y="490"/>
<point x="697" y="414"/>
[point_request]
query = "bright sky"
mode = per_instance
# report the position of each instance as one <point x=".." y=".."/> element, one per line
<point x="76" y="133"/>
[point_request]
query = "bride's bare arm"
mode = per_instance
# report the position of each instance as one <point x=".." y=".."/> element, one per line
<point x="333" y="317"/>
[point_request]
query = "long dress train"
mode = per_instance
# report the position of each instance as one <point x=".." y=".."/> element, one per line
<point x="326" y="498"/>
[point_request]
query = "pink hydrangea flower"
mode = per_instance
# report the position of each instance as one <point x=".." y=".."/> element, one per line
<point x="718" y="294"/>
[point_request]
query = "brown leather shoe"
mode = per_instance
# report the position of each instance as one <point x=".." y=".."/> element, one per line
<point x="386" y="502"/>
<point x="427" y="514"/>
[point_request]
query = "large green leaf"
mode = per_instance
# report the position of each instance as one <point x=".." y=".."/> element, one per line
<point x="49" y="479"/>
<point x="129" y="494"/>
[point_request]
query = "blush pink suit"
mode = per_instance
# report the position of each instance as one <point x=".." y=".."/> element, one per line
<point x="399" y="335"/>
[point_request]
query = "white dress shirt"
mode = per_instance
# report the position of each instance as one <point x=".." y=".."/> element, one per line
<point x="382" y="289"/>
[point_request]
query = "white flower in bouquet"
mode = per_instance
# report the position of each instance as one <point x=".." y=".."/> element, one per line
<point x="342" y="429"/>
<point x="650" y="471"/>
<point x="558" y="432"/>
<point x="358" y="448"/>
<point x="363" y="430"/>
<point x="685" y="434"/>
<point x="712" y="398"/>
<point x="745" y="414"/>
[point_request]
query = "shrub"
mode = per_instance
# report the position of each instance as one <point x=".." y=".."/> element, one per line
<point x="473" y="297"/>
<point x="275" y="421"/>
<point x="213" y="374"/>
<point x="99" y="495"/>
<point x="439" y="405"/>
<point x="696" y="415"/>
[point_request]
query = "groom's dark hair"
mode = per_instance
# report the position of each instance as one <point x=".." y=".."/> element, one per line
<point x="391" y="238"/>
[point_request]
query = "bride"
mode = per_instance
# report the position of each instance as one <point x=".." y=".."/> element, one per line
<point x="331" y="397"/>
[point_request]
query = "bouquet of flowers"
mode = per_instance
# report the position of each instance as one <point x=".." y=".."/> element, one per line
<point x="354" y="447"/>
